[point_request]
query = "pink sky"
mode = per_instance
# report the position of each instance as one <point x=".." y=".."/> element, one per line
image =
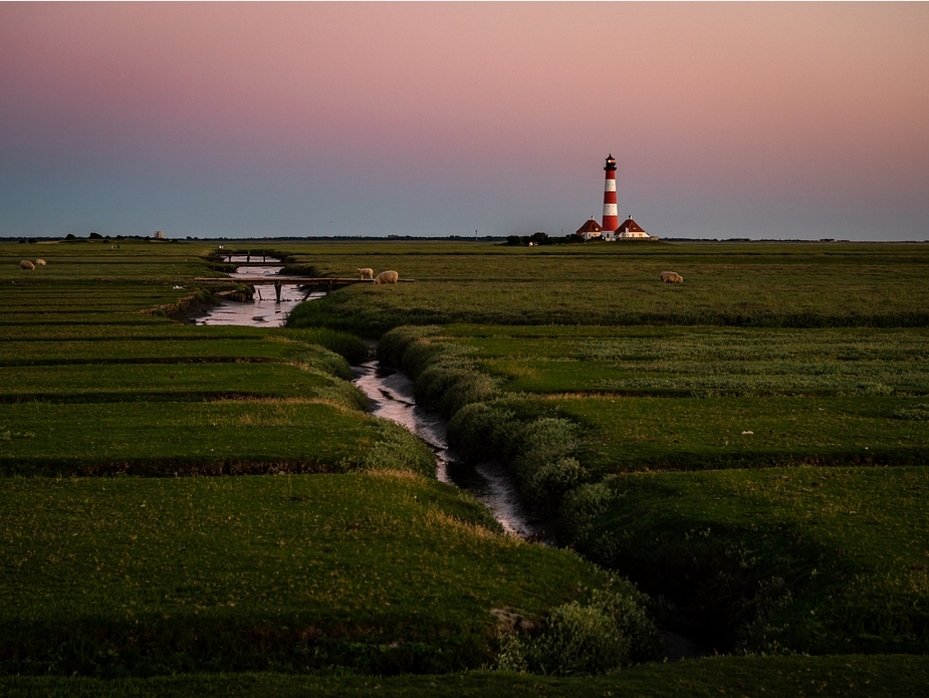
<point x="727" y="120"/>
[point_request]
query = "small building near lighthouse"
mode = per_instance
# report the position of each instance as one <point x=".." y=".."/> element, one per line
<point x="590" y="229"/>
<point x="629" y="230"/>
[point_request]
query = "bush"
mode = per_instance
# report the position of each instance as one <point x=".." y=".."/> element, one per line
<point x="545" y="466"/>
<point x="480" y="432"/>
<point x="581" y="509"/>
<point x="600" y="637"/>
<point x="552" y="481"/>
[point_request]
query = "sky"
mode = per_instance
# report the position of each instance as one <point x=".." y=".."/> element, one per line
<point x="758" y="120"/>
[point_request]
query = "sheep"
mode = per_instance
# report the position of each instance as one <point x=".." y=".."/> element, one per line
<point x="366" y="273"/>
<point x="26" y="264"/>
<point x="672" y="277"/>
<point x="40" y="262"/>
<point x="387" y="277"/>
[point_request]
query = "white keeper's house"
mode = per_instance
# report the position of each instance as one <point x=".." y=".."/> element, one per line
<point x="590" y="229"/>
<point x="630" y="229"/>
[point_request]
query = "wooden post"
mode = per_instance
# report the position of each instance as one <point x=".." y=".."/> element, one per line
<point x="277" y="290"/>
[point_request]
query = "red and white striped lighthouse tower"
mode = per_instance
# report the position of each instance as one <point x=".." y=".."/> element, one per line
<point x="610" y="216"/>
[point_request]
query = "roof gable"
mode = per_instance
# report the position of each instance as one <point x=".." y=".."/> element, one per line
<point x="629" y="226"/>
<point x="590" y="226"/>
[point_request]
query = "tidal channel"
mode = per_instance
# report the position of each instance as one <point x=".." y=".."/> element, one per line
<point x="391" y="396"/>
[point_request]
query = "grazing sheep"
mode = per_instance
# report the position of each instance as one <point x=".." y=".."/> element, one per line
<point x="672" y="277"/>
<point x="366" y="273"/>
<point x="26" y="264"/>
<point x="387" y="277"/>
<point x="40" y="262"/>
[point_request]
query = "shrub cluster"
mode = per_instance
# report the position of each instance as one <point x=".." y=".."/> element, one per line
<point x="609" y="632"/>
<point x="541" y="452"/>
<point x="445" y="378"/>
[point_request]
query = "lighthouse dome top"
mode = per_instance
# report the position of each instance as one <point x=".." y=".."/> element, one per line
<point x="610" y="163"/>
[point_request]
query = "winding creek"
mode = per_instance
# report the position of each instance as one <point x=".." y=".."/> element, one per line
<point x="391" y="396"/>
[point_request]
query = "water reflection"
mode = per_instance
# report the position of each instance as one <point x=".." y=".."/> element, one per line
<point x="263" y="310"/>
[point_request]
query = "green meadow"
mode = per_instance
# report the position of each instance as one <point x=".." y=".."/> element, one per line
<point x="380" y="573"/>
<point x="754" y="285"/>
<point x="190" y="510"/>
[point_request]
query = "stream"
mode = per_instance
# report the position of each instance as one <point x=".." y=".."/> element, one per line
<point x="391" y="396"/>
<point x="264" y="310"/>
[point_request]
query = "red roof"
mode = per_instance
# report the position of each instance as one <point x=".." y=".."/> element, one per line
<point x="590" y="226"/>
<point x="629" y="226"/>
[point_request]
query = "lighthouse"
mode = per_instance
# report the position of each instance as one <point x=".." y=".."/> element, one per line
<point x="610" y="215"/>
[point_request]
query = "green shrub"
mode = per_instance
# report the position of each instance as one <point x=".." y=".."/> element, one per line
<point x="553" y="480"/>
<point x="545" y="466"/>
<point x="611" y="631"/>
<point x="480" y="432"/>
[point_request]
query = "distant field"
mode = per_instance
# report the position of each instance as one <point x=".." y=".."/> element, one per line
<point x="753" y="285"/>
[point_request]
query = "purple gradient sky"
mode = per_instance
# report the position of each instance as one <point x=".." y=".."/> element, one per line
<point x="783" y="120"/>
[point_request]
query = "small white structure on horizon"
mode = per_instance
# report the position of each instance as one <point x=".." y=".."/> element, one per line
<point x="159" y="235"/>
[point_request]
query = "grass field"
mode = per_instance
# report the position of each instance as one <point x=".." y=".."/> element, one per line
<point x="819" y="560"/>
<point x="653" y="421"/>
<point x="771" y="285"/>
<point x="575" y="410"/>
<point x="381" y="573"/>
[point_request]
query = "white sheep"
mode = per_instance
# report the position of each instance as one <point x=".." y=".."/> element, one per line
<point x="366" y="273"/>
<point x="387" y="277"/>
<point x="40" y="262"/>
<point x="672" y="277"/>
<point x="26" y="264"/>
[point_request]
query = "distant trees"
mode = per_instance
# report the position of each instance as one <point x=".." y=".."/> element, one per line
<point x="541" y="238"/>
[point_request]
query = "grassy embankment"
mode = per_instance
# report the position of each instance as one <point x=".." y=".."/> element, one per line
<point x="381" y="570"/>
<point x="817" y="358"/>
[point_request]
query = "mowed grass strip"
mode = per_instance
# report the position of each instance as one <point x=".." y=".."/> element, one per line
<point x="700" y="433"/>
<point x="267" y="348"/>
<point x="212" y="437"/>
<point x="685" y="361"/>
<point x="897" y="676"/>
<point x="820" y="560"/>
<point x="162" y="381"/>
<point x="378" y="572"/>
